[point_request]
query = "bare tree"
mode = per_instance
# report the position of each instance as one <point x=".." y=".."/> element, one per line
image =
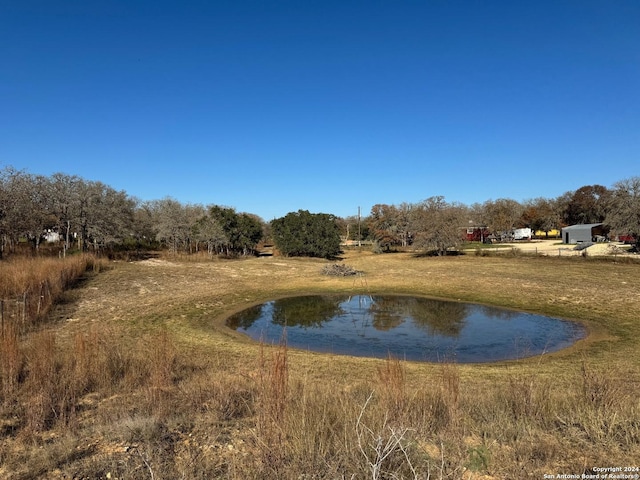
<point x="64" y="200"/>
<point x="193" y="213"/>
<point x="477" y="220"/>
<point x="36" y="210"/>
<point x="24" y="207"/>
<point x="404" y="214"/>
<point x="10" y="199"/>
<point x="438" y="225"/>
<point x="502" y="216"/>
<point x="623" y="208"/>
<point x="171" y="223"/>
<point x="112" y="218"/>
<point x="209" y="231"/>
<point x="541" y="214"/>
<point x="99" y="214"/>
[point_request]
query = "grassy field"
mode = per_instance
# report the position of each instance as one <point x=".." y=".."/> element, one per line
<point x="135" y="376"/>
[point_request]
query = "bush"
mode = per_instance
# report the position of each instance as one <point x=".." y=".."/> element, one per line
<point x="304" y="234"/>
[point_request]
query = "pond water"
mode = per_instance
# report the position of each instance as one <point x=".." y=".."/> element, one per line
<point x="411" y="328"/>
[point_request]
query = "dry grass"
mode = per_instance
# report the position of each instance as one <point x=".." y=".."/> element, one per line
<point x="136" y="376"/>
<point x="29" y="286"/>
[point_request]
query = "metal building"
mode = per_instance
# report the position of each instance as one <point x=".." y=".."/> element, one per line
<point x="586" y="233"/>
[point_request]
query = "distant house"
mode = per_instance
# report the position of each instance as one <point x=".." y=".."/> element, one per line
<point x="584" y="233"/>
<point x="51" y="236"/>
<point x="477" y="234"/>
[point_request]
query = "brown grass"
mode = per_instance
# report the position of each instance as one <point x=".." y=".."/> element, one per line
<point x="30" y="286"/>
<point x="135" y="376"/>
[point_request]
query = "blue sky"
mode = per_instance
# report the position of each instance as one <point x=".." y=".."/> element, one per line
<point x="271" y="107"/>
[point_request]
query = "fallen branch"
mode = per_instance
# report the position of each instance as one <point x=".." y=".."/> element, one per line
<point x="339" y="270"/>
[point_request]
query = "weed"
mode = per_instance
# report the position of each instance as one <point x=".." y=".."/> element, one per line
<point x="161" y="362"/>
<point x="600" y="389"/>
<point x="392" y="380"/>
<point x="449" y="398"/>
<point x="385" y="448"/>
<point x="11" y="362"/>
<point x="272" y="403"/>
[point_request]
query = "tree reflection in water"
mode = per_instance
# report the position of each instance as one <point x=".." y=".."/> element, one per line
<point x="415" y="328"/>
<point x="245" y="318"/>
<point x="437" y="317"/>
<point x="306" y="311"/>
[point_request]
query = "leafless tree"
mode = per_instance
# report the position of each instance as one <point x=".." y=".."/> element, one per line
<point x="502" y="215"/>
<point x="63" y="194"/>
<point x="171" y="223"/>
<point x="100" y="214"/>
<point x="438" y="225"/>
<point x="24" y="207"/>
<point x="10" y="200"/>
<point x="113" y="218"/>
<point x="541" y="214"/>
<point x="209" y="231"/>
<point x="623" y="208"/>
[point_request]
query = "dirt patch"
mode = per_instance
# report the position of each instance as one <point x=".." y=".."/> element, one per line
<point x="157" y="262"/>
<point x="556" y="248"/>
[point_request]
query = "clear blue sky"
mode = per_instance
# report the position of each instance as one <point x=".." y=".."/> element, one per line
<point x="275" y="106"/>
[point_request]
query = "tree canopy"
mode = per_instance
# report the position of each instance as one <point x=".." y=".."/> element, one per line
<point x="437" y="225"/>
<point x="307" y="234"/>
<point x="92" y="215"/>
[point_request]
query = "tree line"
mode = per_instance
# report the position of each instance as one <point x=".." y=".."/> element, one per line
<point x="437" y="225"/>
<point x="89" y="215"/>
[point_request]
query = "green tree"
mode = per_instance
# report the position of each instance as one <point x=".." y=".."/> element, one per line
<point x="585" y="205"/>
<point x="307" y="234"/>
<point x="384" y="226"/>
<point x="242" y="230"/>
<point x="249" y="233"/>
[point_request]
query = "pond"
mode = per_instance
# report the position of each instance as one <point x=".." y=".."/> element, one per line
<point x="405" y="327"/>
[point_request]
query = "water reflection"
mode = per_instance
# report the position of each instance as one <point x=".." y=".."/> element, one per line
<point x="414" y="328"/>
<point x="300" y="311"/>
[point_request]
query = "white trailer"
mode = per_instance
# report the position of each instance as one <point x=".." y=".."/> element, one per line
<point x="522" y="234"/>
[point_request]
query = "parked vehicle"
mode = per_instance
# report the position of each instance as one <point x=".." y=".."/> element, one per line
<point x="522" y="234"/>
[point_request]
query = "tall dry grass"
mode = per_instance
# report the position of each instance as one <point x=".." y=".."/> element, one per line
<point x="271" y="403"/>
<point x="168" y="416"/>
<point x="11" y="361"/>
<point x="29" y="286"/>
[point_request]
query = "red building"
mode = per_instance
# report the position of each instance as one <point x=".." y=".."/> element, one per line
<point x="477" y="234"/>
